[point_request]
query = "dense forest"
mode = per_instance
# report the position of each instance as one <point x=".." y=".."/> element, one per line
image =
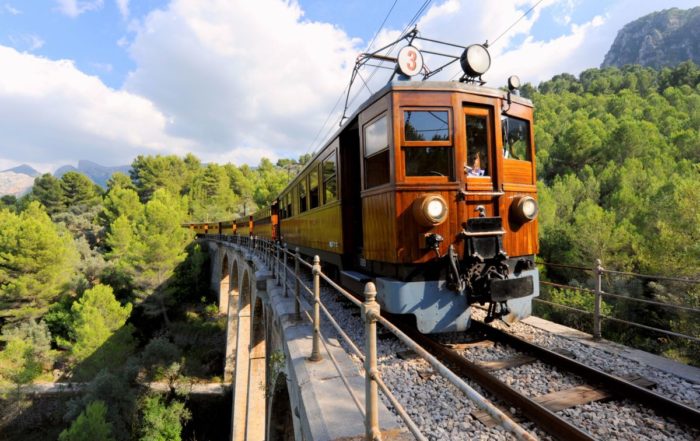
<point x="618" y="154"/>
<point x="104" y="286"/>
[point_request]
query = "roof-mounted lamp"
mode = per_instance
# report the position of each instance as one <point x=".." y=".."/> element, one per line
<point x="475" y="61"/>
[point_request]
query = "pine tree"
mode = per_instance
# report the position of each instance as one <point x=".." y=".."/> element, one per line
<point x="91" y="425"/>
<point x="37" y="260"/>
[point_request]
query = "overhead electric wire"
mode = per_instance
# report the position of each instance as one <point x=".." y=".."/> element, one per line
<point x="313" y="145"/>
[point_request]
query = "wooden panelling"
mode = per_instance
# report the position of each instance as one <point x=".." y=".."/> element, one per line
<point x="411" y="236"/>
<point x="263" y="228"/>
<point x="379" y="227"/>
<point x="320" y="228"/>
<point x="520" y="239"/>
<point x="518" y="172"/>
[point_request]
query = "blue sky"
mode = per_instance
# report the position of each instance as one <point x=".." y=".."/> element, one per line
<point x="234" y="80"/>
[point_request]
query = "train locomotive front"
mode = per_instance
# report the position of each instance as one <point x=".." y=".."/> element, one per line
<point x="449" y="213"/>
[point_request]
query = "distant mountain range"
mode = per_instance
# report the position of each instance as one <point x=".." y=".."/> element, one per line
<point x="98" y="173"/>
<point x="18" y="181"/>
<point x="664" y="38"/>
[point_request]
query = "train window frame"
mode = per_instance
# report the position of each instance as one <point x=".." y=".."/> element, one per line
<point x="415" y="143"/>
<point x="314" y="198"/>
<point x="528" y="138"/>
<point x="486" y="113"/>
<point x="428" y="144"/>
<point x="302" y="200"/>
<point x="334" y="176"/>
<point x="383" y="153"/>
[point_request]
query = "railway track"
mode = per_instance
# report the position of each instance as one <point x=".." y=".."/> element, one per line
<point x="541" y="411"/>
<point x="542" y="415"/>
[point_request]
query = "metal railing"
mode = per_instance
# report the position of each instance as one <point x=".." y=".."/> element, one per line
<point x="598" y="272"/>
<point x="278" y="258"/>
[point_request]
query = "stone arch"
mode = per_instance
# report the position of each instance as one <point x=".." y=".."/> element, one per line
<point x="257" y="404"/>
<point x="281" y="422"/>
<point x="234" y="278"/>
<point x="224" y="285"/>
<point x="245" y="290"/>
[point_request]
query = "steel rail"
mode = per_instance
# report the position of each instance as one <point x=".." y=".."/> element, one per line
<point x="613" y="384"/>
<point x="540" y="415"/>
<point x="475" y="397"/>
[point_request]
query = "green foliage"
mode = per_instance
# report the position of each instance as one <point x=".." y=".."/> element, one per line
<point x="100" y="337"/>
<point x="119" y="180"/>
<point x="162" y="421"/>
<point x="619" y="158"/>
<point x="118" y="202"/>
<point x="27" y="353"/>
<point x="37" y="260"/>
<point x="47" y="190"/>
<point x="150" y="173"/>
<point x="117" y="391"/>
<point x="90" y="425"/>
<point x="159" y="354"/>
<point x="78" y="189"/>
<point x="211" y="196"/>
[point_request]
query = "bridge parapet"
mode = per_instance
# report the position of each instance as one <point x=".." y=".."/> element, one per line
<point x="279" y="394"/>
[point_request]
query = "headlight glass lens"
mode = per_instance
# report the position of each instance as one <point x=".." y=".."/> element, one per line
<point x="435" y="208"/>
<point x="529" y="208"/>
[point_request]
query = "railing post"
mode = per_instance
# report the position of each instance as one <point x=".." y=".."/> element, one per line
<point x="297" y="286"/>
<point x="277" y="263"/>
<point x="370" y="312"/>
<point x="598" y="273"/>
<point x="284" y="268"/>
<point x="315" y="348"/>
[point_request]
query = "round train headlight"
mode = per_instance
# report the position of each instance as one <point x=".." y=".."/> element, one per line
<point x="430" y="210"/>
<point x="475" y="60"/>
<point x="524" y="208"/>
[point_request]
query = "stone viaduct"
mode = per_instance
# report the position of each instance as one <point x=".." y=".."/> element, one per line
<point x="278" y="394"/>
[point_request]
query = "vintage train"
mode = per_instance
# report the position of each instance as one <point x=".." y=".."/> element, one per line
<point x="429" y="190"/>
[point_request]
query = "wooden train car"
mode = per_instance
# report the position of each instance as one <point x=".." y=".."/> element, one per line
<point x="429" y="190"/>
<point x="244" y="226"/>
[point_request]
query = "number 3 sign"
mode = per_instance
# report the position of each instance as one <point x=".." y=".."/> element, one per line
<point x="410" y="61"/>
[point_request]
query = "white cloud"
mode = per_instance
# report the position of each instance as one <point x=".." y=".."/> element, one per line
<point x="11" y="9"/>
<point x="123" y="6"/>
<point x="241" y="76"/>
<point x="74" y="8"/>
<point x="50" y="112"/>
<point x="28" y="42"/>
<point x="236" y="80"/>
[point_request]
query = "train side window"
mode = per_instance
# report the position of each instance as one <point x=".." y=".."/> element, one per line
<point x="313" y="188"/>
<point x="516" y="138"/>
<point x="289" y="204"/>
<point x="429" y="161"/>
<point x="477" y="146"/>
<point x="302" y="195"/>
<point x="330" y="180"/>
<point x="427" y="143"/>
<point x="426" y="125"/>
<point x="376" y="152"/>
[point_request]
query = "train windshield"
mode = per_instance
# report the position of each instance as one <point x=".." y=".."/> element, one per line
<point x="516" y="138"/>
<point x="427" y="143"/>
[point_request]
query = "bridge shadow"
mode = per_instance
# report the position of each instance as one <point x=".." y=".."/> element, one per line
<point x="188" y="332"/>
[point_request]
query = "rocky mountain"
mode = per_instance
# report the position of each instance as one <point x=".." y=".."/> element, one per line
<point x="98" y="173"/>
<point x="23" y="169"/>
<point x="664" y="38"/>
<point x="15" y="184"/>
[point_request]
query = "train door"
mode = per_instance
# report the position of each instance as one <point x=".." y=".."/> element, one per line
<point x="350" y="187"/>
<point x="480" y="165"/>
